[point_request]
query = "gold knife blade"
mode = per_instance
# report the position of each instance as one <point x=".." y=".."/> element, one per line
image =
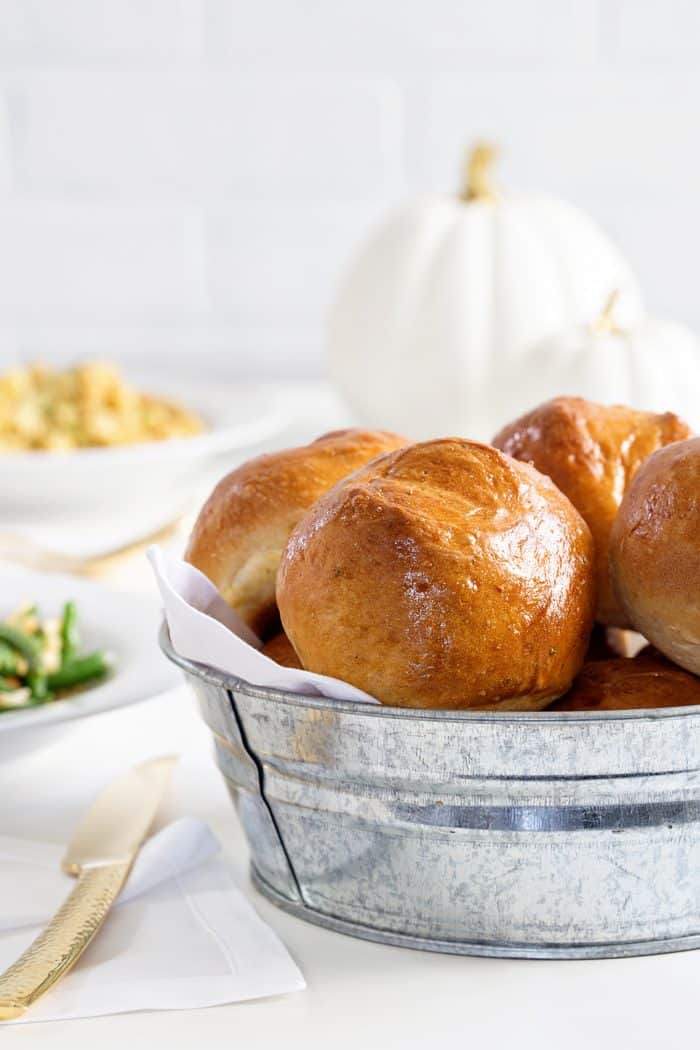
<point x="101" y="853"/>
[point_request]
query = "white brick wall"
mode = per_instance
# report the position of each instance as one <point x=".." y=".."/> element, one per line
<point x="71" y="261"/>
<point x="189" y="176"/>
<point x="405" y="34"/>
<point x="96" y="33"/>
<point x="197" y="134"/>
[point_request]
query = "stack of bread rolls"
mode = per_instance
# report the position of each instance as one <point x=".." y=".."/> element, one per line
<point x="458" y="575"/>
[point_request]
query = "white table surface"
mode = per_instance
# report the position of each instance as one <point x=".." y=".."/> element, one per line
<point x="359" y="995"/>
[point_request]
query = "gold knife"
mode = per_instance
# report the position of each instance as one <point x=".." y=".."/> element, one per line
<point x="101" y="854"/>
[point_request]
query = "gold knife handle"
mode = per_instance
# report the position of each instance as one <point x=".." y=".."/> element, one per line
<point x="62" y="942"/>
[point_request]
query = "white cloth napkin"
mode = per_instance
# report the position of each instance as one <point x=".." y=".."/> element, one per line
<point x="204" y="628"/>
<point x="181" y="935"/>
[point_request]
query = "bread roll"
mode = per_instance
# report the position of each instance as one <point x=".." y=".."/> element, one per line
<point x="624" y="684"/>
<point x="280" y="649"/>
<point x="591" y="452"/>
<point x="655" y="552"/>
<point x="238" y="538"/>
<point x="446" y="575"/>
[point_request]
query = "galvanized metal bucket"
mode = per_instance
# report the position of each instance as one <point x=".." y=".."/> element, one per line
<point x="545" y="835"/>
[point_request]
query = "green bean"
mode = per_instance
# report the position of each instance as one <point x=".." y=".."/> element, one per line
<point x="70" y="639"/>
<point x="23" y="654"/>
<point x="79" y="670"/>
<point x="38" y="684"/>
<point x="9" y="660"/>
<point x="21" y="643"/>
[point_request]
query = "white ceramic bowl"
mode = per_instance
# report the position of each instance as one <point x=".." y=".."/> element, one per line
<point x="138" y="478"/>
<point x="123" y="624"/>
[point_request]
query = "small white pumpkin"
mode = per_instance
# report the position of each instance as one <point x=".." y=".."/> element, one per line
<point x="653" y="365"/>
<point x="449" y="295"/>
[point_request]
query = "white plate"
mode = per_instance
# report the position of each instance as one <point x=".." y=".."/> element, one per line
<point x="125" y="625"/>
<point x="155" y="476"/>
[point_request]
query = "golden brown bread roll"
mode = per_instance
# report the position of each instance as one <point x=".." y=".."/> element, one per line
<point x="280" y="649"/>
<point x="591" y="452"/>
<point x="655" y="552"/>
<point x="445" y="575"/>
<point x="238" y="538"/>
<point x="624" y="684"/>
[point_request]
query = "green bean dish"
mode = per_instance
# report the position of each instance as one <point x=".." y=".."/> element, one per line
<point x="40" y="659"/>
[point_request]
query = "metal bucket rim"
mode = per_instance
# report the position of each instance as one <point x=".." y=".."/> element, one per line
<point x="357" y="707"/>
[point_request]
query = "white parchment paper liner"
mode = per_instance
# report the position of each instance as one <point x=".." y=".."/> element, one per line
<point x="204" y="628"/>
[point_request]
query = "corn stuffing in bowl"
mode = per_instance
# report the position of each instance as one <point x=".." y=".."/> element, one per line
<point x="90" y="405"/>
<point x="86" y="444"/>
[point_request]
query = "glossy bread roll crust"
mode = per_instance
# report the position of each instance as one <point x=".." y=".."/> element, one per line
<point x="655" y="552"/>
<point x="446" y="575"/>
<point x="625" y="684"/>
<point x="591" y="452"/>
<point x="238" y="538"/>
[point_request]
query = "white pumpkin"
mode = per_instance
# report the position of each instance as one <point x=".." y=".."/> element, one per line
<point x="653" y="365"/>
<point x="449" y="295"/>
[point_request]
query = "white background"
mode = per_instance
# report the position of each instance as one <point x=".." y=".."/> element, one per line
<point x="183" y="177"/>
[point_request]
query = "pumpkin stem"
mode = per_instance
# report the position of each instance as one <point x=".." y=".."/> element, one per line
<point x="477" y="185"/>
<point x="605" y="322"/>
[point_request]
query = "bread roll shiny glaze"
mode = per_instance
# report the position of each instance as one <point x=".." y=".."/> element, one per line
<point x="446" y="575"/>
<point x="591" y="452"/>
<point x="238" y="538"/>
<point x="655" y="552"/>
<point x="280" y="649"/>
<point x="625" y="684"/>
